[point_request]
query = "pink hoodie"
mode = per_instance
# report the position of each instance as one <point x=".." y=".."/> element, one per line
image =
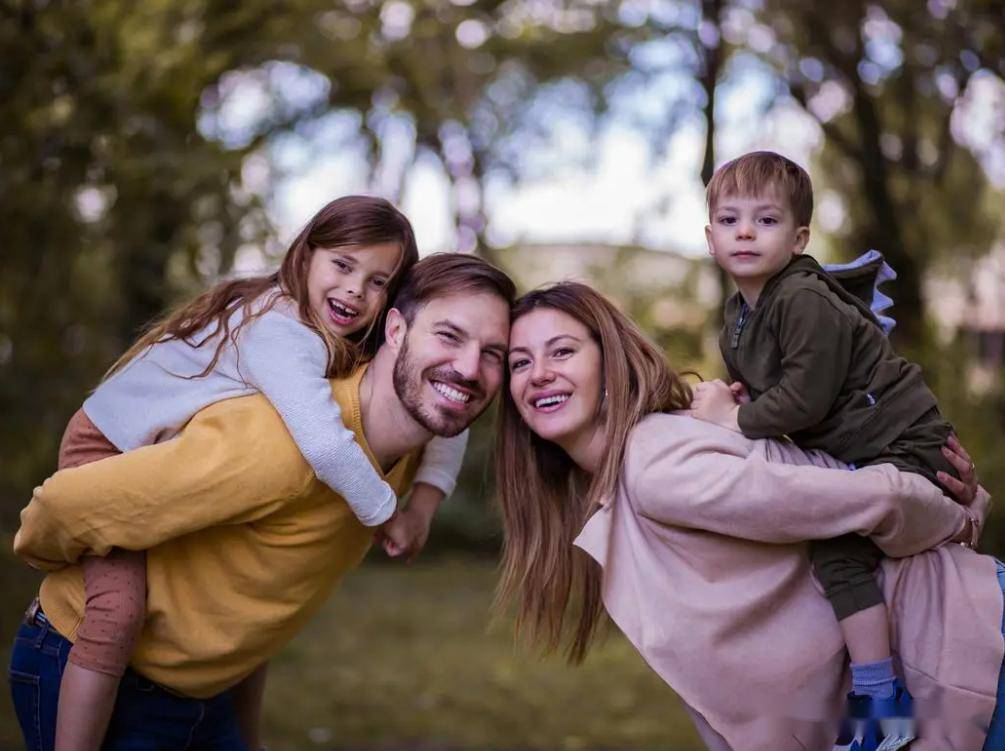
<point x="706" y="571"/>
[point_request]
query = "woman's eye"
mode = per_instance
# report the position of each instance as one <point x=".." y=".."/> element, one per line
<point x="563" y="352"/>
<point x="517" y="364"/>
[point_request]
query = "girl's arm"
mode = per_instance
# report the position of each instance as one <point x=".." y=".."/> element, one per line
<point x="287" y="362"/>
<point x="686" y="473"/>
<point x="441" y="462"/>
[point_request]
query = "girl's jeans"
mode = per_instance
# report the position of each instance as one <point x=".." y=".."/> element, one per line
<point x="147" y="717"/>
<point x="996" y="733"/>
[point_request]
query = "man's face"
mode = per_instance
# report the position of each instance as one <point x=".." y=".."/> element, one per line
<point x="450" y="363"/>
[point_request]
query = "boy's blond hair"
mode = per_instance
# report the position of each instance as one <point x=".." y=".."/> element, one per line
<point x="754" y="173"/>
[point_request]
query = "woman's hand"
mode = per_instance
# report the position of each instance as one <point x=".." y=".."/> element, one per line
<point x="966" y="491"/>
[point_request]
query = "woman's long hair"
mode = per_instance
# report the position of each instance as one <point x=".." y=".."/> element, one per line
<point x="546" y="499"/>
<point x="346" y="221"/>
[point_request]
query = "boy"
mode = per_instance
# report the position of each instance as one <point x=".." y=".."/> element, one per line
<point x="810" y="361"/>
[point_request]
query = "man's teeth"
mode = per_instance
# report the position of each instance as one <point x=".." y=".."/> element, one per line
<point x="451" y="393"/>
<point x="547" y="401"/>
<point x="342" y="310"/>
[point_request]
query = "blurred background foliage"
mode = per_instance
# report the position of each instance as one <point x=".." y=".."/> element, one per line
<point x="137" y="164"/>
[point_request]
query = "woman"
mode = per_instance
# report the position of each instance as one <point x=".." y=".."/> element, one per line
<point x="700" y="536"/>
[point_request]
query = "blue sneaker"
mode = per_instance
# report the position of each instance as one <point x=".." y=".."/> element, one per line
<point x="878" y="724"/>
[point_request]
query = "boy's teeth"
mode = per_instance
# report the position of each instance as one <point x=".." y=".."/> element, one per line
<point x="451" y="393"/>
<point x="549" y="400"/>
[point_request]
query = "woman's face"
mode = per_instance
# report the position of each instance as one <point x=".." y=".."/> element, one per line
<point x="555" y="377"/>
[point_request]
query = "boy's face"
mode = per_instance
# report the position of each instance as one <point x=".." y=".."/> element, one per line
<point x="753" y="238"/>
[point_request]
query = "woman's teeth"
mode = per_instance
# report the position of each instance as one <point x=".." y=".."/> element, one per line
<point x="548" y="401"/>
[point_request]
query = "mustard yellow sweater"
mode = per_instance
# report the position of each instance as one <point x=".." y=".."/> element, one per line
<point x="244" y="542"/>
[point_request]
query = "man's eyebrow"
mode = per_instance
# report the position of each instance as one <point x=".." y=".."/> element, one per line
<point x="494" y="346"/>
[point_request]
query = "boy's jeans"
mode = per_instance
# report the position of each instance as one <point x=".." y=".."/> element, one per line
<point x="146" y="716"/>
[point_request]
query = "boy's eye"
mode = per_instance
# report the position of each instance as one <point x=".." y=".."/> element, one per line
<point x="727" y="220"/>
<point x="769" y="220"/>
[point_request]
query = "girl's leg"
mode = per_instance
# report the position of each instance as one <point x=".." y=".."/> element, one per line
<point x="114" y="610"/>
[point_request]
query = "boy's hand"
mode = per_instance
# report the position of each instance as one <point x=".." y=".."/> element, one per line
<point x="715" y="402"/>
<point x="740" y="393"/>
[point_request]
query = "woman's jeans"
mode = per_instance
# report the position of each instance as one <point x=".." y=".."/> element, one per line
<point x="996" y="733"/>
<point x="147" y="717"/>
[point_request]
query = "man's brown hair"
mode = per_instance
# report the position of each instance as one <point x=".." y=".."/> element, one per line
<point x="445" y="274"/>
<point x="759" y="171"/>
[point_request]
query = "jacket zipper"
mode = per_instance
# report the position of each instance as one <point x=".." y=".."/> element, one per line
<point x="741" y="319"/>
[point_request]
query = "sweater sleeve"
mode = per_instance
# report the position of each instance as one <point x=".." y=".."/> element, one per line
<point x="815" y="338"/>
<point x="287" y="362"/>
<point x="692" y="475"/>
<point x="441" y="462"/>
<point x="231" y="464"/>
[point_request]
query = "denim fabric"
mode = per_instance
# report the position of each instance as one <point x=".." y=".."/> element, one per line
<point x="146" y="717"/>
<point x="996" y="733"/>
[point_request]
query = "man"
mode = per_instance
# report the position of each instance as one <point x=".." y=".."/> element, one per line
<point x="244" y="542"/>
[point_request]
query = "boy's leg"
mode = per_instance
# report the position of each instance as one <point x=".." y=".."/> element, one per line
<point x="846" y="568"/>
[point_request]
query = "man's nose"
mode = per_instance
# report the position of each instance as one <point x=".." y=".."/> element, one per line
<point x="468" y="360"/>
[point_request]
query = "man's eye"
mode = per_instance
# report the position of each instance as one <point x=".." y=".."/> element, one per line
<point x="492" y="355"/>
<point x="446" y="335"/>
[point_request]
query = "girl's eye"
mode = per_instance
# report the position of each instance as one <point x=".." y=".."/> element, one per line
<point x="341" y="265"/>
<point x="379" y="282"/>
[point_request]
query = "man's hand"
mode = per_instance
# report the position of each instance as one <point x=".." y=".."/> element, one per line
<point x="404" y="535"/>
<point x="716" y="402"/>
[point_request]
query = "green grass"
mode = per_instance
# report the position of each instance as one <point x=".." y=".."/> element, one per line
<point x="402" y="659"/>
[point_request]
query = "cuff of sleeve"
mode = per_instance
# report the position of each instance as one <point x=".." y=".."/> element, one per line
<point x="437" y="478"/>
<point x="374" y="516"/>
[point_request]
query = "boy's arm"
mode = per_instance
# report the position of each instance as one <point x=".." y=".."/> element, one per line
<point x="815" y="339"/>
<point x="287" y="362"/>
<point x="232" y="463"/>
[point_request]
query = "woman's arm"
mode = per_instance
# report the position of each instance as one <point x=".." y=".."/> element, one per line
<point x="686" y="473"/>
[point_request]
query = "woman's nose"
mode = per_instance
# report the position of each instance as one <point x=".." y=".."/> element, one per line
<point x="541" y="374"/>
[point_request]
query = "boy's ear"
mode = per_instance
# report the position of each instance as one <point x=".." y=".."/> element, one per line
<point x="708" y="239"/>
<point x="802" y="240"/>
<point x="395" y="328"/>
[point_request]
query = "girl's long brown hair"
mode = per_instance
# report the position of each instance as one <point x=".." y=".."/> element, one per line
<point x="546" y="499"/>
<point x="346" y="221"/>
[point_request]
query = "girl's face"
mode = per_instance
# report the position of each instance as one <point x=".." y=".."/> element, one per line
<point x="555" y="377"/>
<point x="345" y="285"/>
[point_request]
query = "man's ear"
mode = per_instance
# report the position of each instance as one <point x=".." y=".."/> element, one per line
<point x="802" y="240"/>
<point x="708" y="239"/>
<point x="395" y="328"/>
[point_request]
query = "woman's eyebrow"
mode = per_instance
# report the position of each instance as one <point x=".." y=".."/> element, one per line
<point x="560" y="337"/>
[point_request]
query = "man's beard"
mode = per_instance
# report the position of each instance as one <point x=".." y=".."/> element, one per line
<point x="408" y="387"/>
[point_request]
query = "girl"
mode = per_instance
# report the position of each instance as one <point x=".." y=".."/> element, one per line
<point x="700" y="536"/>
<point x="320" y="316"/>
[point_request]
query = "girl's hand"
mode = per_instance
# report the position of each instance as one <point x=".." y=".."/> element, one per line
<point x="714" y="402"/>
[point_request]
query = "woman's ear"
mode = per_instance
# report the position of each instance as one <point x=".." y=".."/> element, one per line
<point x="395" y="328"/>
